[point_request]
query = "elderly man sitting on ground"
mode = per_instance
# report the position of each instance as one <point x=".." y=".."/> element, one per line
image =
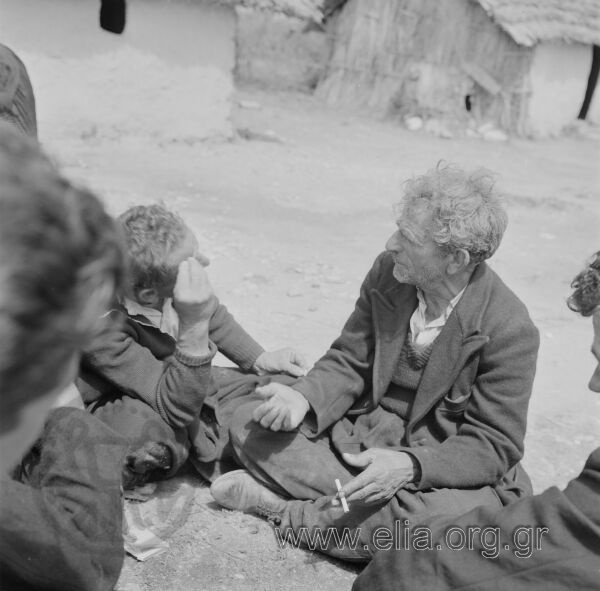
<point x="419" y="407"/>
<point x="549" y="541"/>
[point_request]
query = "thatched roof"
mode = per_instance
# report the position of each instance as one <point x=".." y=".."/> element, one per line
<point x="530" y="21"/>
<point x="303" y="9"/>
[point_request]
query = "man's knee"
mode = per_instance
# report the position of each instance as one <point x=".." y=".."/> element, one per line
<point x="156" y="451"/>
<point x="242" y="424"/>
<point x="128" y="416"/>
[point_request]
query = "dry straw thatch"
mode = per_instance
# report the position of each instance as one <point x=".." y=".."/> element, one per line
<point x="530" y="21"/>
<point x="303" y="9"/>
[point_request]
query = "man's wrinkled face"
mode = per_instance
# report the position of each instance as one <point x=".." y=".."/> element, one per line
<point x="418" y="259"/>
<point x="594" y="384"/>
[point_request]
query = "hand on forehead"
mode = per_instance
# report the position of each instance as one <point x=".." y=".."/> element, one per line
<point x="202" y="259"/>
<point x="196" y="238"/>
<point x="188" y="248"/>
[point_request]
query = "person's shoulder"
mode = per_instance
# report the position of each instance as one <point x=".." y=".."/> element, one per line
<point x="381" y="275"/>
<point x="500" y="292"/>
<point x="384" y="258"/>
<point x="504" y="307"/>
<point x="383" y="264"/>
<point x="118" y="319"/>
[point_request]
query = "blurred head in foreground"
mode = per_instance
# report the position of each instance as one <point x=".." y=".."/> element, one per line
<point x="585" y="299"/>
<point x="60" y="263"/>
<point x="17" y="101"/>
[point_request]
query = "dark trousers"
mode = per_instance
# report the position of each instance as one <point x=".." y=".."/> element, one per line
<point x="61" y="516"/>
<point x="158" y="451"/>
<point x="305" y="470"/>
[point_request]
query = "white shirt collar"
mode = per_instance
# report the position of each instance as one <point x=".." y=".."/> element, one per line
<point x="423" y="333"/>
<point x="440" y="320"/>
<point x="166" y="320"/>
<point x="135" y="309"/>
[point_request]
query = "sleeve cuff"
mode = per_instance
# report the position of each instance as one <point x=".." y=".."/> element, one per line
<point x="418" y="479"/>
<point x="196" y="361"/>
<point x="249" y="355"/>
<point x="310" y="424"/>
<point x="417" y="469"/>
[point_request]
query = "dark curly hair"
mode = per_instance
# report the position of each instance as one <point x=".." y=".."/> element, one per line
<point x="61" y="261"/>
<point x="586" y="297"/>
<point x="152" y="232"/>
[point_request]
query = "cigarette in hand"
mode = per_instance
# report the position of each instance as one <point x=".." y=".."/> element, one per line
<point x="342" y="496"/>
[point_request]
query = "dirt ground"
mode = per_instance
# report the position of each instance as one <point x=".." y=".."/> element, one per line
<point x="292" y="213"/>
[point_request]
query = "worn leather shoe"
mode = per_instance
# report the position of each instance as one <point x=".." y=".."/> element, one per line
<point x="239" y="490"/>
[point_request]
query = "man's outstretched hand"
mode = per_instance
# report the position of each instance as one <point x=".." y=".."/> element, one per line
<point x="286" y="360"/>
<point x="283" y="408"/>
<point x="385" y="472"/>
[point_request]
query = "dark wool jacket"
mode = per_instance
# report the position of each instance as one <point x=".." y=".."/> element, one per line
<point x="565" y="554"/>
<point x="136" y="359"/>
<point x="61" y="521"/>
<point x="467" y="423"/>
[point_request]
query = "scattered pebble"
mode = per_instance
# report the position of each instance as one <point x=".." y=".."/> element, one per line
<point x="263" y="136"/>
<point x="334" y="279"/>
<point x="438" y="128"/>
<point x="413" y="123"/>
<point x="495" y="135"/>
<point x="484" y="127"/>
<point x="256" y="278"/>
<point x="245" y="104"/>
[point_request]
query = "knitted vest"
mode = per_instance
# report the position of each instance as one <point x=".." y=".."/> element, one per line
<point x="407" y="376"/>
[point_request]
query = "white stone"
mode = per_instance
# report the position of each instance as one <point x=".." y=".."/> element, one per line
<point x="413" y="123"/>
<point x="495" y="135"/>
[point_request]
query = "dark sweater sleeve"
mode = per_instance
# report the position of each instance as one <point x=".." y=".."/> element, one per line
<point x="174" y="387"/>
<point x="232" y="340"/>
<point x="61" y="526"/>
<point x="341" y="376"/>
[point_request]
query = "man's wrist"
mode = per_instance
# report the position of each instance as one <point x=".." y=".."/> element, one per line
<point x="257" y="367"/>
<point x="193" y="360"/>
<point x="193" y="339"/>
<point x="306" y="403"/>
<point x="198" y="314"/>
